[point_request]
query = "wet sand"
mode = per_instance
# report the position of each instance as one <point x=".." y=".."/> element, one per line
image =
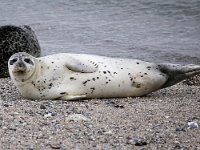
<point x="157" y="121"/>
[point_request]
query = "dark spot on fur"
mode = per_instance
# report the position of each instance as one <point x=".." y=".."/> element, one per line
<point x="141" y="76"/>
<point x="105" y="66"/>
<point x="104" y="72"/>
<point x="145" y="73"/>
<point x="33" y="83"/>
<point x="118" y="85"/>
<point x="107" y="82"/>
<point x="92" y="89"/>
<point x="72" y="78"/>
<point x="97" y="77"/>
<point x="41" y="67"/>
<point x="114" y="72"/>
<point x="149" y="68"/>
<point x="52" y="62"/>
<point x="63" y="93"/>
<point x="84" y="83"/>
<point x="93" y="79"/>
<point x="138" y="85"/>
<point x="138" y="63"/>
<point x="122" y="68"/>
<point x="50" y="84"/>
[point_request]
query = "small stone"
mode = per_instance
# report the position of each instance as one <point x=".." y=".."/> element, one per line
<point x="192" y="125"/>
<point x="42" y="106"/>
<point x="77" y="117"/>
<point x="5" y="105"/>
<point x="49" y="114"/>
<point x="140" y="142"/>
<point x="108" y="132"/>
<point x="55" y="146"/>
<point x="178" y="145"/>
<point x="30" y="148"/>
<point x="197" y="148"/>
<point x="118" y="106"/>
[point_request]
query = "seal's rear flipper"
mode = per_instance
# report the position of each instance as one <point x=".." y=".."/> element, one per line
<point x="176" y="73"/>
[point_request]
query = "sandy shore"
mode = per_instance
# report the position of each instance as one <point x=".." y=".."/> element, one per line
<point x="157" y="121"/>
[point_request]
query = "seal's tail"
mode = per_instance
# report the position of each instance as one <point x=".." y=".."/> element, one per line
<point x="177" y="73"/>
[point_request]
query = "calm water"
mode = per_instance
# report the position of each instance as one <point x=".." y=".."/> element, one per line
<point x="152" y="30"/>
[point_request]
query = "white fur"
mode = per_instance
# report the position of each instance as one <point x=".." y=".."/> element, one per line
<point x="110" y="77"/>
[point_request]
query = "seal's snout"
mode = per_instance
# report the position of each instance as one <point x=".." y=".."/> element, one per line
<point x="19" y="67"/>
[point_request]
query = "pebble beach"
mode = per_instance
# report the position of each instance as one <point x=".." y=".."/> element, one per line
<point x="160" y="120"/>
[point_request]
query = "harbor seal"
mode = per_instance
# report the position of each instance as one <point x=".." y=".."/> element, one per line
<point x="80" y="76"/>
<point x="15" y="39"/>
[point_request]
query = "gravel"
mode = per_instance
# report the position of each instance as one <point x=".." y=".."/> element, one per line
<point x="151" y="122"/>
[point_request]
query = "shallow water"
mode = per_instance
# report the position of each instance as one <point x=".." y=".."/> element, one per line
<point x="157" y="30"/>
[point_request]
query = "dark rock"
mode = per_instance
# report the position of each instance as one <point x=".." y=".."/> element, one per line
<point x="140" y="142"/>
<point x="42" y="107"/>
<point x="5" y="105"/>
<point x="15" y="39"/>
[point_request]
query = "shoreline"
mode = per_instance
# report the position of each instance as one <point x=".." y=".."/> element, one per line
<point x="150" y="122"/>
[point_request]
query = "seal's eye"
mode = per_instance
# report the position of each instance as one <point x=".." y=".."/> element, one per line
<point x="27" y="60"/>
<point x="13" y="61"/>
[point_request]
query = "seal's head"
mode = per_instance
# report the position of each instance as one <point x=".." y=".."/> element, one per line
<point x="21" y="65"/>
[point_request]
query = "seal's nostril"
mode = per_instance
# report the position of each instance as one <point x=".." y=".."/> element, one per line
<point x="21" y="64"/>
<point x="13" y="61"/>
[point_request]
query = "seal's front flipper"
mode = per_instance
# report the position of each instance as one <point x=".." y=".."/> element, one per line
<point x="81" y="66"/>
<point x="176" y="73"/>
<point x="72" y="97"/>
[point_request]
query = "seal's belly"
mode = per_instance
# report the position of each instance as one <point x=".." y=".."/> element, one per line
<point x="116" y="79"/>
